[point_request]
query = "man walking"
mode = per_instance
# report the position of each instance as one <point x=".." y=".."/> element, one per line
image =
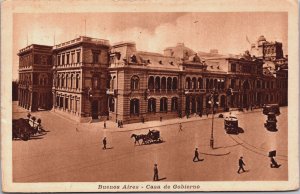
<point x="104" y="125"/>
<point x="241" y="165"/>
<point x="155" y="177"/>
<point x="180" y="127"/>
<point x="104" y="143"/>
<point x="196" y="156"/>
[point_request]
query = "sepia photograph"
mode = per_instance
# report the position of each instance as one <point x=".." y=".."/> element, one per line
<point x="133" y="99"/>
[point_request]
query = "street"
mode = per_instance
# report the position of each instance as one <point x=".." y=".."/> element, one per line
<point x="65" y="154"/>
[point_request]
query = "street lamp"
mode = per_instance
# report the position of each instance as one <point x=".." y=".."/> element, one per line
<point x="214" y="102"/>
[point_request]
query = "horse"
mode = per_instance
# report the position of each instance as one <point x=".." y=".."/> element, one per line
<point x="137" y="138"/>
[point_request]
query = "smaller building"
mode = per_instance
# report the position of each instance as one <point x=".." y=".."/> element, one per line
<point x="80" y="74"/>
<point x="35" y="77"/>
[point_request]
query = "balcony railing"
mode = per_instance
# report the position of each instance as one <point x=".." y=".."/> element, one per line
<point x="111" y="91"/>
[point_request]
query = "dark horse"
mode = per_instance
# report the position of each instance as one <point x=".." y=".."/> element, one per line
<point x="137" y="138"/>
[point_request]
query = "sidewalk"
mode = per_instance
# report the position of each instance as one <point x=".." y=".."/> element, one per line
<point x="112" y="126"/>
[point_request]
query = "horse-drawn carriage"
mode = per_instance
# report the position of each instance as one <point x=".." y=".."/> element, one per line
<point x="23" y="129"/>
<point x="231" y="125"/>
<point x="153" y="136"/>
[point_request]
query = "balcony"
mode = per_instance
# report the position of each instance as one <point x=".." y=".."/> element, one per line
<point x="112" y="92"/>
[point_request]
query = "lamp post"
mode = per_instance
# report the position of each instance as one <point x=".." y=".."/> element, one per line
<point x="214" y="102"/>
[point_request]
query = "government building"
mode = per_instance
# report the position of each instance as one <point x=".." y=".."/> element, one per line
<point x="88" y="78"/>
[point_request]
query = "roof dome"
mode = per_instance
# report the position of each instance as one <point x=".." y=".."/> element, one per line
<point x="261" y="38"/>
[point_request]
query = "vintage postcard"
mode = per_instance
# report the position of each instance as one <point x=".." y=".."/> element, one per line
<point x="149" y="96"/>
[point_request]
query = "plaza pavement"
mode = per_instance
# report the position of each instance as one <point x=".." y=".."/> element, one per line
<point x="70" y="155"/>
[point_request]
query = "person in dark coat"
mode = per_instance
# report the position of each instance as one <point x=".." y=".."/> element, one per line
<point x="241" y="165"/>
<point x="119" y="124"/>
<point x="196" y="155"/>
<point x="104" y="124"/>
<point x="104" y="143"/>
<point x="274" y="164"/>
<point x="155" y="177"/>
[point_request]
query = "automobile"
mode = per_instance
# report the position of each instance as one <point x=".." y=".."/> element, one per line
<point x="231" y="124"/>
<point x="271" y="122"/>
<point x="267" y="108"/>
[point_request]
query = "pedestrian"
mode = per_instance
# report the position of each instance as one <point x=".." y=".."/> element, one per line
<point x="274" y="164"/>
<point x="241" y="165"/>
<point x="104" y="143"/>
<point x="104" y="125"/>
<point x="155" y="177"/>
<point x="119" y="125"/>
<point x="160" y="118"/>
<point x="180" y="127"/>
<point x="196" y="155"/>
<point x="207" y="113"/>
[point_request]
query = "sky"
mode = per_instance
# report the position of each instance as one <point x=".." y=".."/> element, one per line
<point x="152" y="32"/>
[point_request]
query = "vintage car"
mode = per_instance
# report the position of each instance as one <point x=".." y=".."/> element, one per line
<point x="267" y="108"/>
<point x="231" y="124"/>
<point x="271" y="122"/>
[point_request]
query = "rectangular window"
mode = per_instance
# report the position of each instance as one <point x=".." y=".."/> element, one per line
<point x="58" y="60"/>
<point x="63" y="59"/>
<point x="73" y="58"/>
<point x="68" y="58"/>
<point x="71" y="104"/>
<point x="66" y="103"/>
<point x="233" y="67"/>
<point x="95" y="57"/>
<point x="78" y="57"/>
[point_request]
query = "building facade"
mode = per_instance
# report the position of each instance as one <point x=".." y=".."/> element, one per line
<point x="35" y="77"/>
<point x="79" y="78"/>
<point x="95" y="80"/>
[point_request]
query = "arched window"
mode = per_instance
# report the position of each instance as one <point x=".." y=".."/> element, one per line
<point x="207" y="83"/>
<point x="174" y="83"/>
<point x="163" y="83"/>
<point x="194" y="83"/>
<point x="188" y="83"/>
<point x="43" y="79"/>
<point x="72" y="79"/>
<point x="77" y="81"/>
<point x="113" y="82"/>
<point x="108" y="82"/>
<point x="152" y="105"/>
<point x="134" y="107"/>
<point x="163" y="104"/>
<point x="157" y="83"/>
<point x="134" y="83"/>
<point x="169" y="83"/>
<point x="174" y="105"/>
<point x="111" y="104"/>
<point x="58" y="80"/>
<point x="200" y="83"/>
<point x="215" y="84"/>
<point x="67" y="81"/>
<point x="151" y="83"/>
